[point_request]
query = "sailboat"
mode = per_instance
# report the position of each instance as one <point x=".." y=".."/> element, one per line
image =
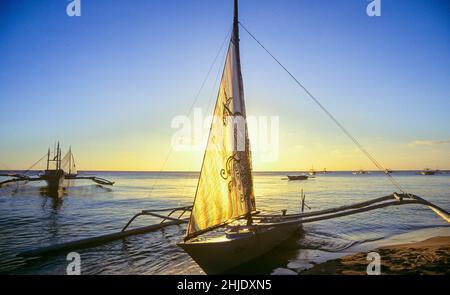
<point x="222" y="231"/>
<point x="427" y="171"/>
<point x="54" y="177"/>
<point x="57" y="171"/>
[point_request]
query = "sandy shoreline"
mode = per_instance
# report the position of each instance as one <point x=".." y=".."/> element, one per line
<point x="427" y="257"/>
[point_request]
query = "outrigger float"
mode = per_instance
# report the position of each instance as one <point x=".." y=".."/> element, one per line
<point x="58" y="170"/>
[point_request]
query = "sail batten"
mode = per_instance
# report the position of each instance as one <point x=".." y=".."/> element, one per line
<point x="225" y="186"/>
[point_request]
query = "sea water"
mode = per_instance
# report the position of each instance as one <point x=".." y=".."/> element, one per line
<point x="29" y="219"/>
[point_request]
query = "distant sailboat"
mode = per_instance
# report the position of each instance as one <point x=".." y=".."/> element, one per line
<point x="58" y="170"/>
<point x="225" y="187"/>
<point x="428" y="171"/>
<point x="54" y="176"/>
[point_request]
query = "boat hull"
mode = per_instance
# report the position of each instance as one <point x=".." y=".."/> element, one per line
<point x="297" y="177"/>
<point x="219" y="255"/>
<point x="55" y="180"/>
<point x="427" y="173"/>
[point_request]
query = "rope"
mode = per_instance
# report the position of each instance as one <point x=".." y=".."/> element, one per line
<point x="345" y="131"/>
<point x="26" y="171"/>
<point x="213" y="89"/>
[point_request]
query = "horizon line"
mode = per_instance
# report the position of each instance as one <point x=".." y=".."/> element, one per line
<point x="259" y="171"/>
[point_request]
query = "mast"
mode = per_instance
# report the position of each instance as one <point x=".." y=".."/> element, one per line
<point x="70" y="159"/>
<point x="236" y="22"/>
<point x="48" y="159"/>
<point x="58" y="157"/>
<point x="235" y="41"/>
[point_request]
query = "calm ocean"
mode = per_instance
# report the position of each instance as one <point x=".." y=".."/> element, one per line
<point x="29" y="220"/>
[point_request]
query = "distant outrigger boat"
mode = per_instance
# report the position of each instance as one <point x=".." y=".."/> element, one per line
<point x="58" y="169"/>
<point x="298" y="177"/>
<point x="312" y="172"/>
<point x="360" y="172"/>
<point x="428" y="171"/>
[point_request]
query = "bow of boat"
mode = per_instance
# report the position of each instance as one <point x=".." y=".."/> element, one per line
<point x="238" y="245"/>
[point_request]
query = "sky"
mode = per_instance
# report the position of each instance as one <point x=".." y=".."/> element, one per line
<point x="110" y="82"/>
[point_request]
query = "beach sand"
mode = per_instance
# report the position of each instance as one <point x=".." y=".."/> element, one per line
<point x="428" y="257"/>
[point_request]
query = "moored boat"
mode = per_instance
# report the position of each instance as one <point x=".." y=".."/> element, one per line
<point x="360" y="172"/>
<point x="54" y="177"/>
<point x="428" y="171"/>
<point x="224" y="193"/>
<point x="56" y="174"/>
<point x="298" y="177"/>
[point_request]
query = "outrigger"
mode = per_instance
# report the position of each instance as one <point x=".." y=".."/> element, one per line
<point x="58" y="170"/>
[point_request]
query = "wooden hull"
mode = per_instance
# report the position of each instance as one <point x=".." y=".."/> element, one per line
<point x="220" y="254"/>
<point x="55" y="181"/>
<point x="427" y="173"/>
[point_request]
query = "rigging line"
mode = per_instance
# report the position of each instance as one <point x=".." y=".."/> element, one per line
<point x="26" y="171"/>
<point x="192" y="106"/>
<point x="349" y="135"/>
<point x="210" y="102"/>
<point x="209" y="72"/>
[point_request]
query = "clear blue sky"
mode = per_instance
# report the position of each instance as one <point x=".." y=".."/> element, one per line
<point x="109" y="82"/>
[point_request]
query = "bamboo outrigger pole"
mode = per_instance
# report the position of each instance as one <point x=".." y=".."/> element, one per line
<point x="98" y="240"/>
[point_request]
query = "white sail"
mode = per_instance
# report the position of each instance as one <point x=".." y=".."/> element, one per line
<point x="68" y="163"/>
<point x="225" y="187"/>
